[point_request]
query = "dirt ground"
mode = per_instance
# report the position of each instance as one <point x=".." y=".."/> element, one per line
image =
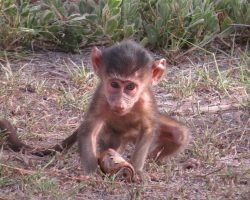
<point x="45" y="95"/>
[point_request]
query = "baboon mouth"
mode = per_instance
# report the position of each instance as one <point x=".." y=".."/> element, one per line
<point x="120" y="112"/>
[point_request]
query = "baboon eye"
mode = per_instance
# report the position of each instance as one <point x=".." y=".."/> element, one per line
<point x="130" y="86"/>
<point x="114" y="84"/>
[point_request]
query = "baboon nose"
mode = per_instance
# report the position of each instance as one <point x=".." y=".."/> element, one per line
<point x="119" y="108"/>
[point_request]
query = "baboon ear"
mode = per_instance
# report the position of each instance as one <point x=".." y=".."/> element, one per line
<point x="96" y="55"/>
<point x="158" y="70"/>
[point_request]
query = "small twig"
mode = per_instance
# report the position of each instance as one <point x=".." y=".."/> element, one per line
<point x="224" y="42"/>
<point x="244" y="25"/>
<point x="212" y="172"/>
<point x="23" y="171"/>
<point x="99" y="43"/>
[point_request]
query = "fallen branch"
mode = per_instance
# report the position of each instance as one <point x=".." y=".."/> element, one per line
<point x="217" y="108"/>
<point x="207" y="109"/>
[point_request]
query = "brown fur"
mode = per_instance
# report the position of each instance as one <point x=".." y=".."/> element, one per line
<point x="117" y="116"/>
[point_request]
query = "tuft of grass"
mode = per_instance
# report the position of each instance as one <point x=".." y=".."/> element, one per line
<point x="84" y="82"/>
<point x="211" y="77"/>
<point x="81" y="75"/>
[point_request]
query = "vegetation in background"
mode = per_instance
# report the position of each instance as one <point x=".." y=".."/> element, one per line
<point x="167" y="24"/>
<point x="46" y="94"/>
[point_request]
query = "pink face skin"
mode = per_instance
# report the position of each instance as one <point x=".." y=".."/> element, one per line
<point x="121" y="94"/>
<point x="116" y="86"/>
